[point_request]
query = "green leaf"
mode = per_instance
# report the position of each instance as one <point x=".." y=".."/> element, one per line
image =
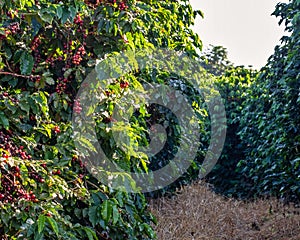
<point x="45" y="16"/>
<point x="27" y="63"/>
<point x="50" y="81"/>
<point x="36" y="23"/>
<point x="90" y="233"/>
<point x="53" y="224"/>
<point x="149" y="231"/>
<point x="4" y="120"/>
<point x="106" y="210"/>
<point x="100" y="24"/>
<point x="65" y="15"/>
<point x="59" y="11"/>
<point x="24" y="106"/>
<point x="93" y="215"/>
<point x="7" y="52"/>
<point x="73" y="12"/>
<point x="116" y="214"/>
<point x="144" y="164"/>
<point x="13" y="82"/>
<point x="41" y="223"/>
<point x="22" y="3"/>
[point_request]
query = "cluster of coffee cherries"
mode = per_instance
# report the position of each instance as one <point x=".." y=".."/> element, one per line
<point x="122" y="4"/>
<point x="78" y="20"/>
<point x="37" y="177"/>
<point x="4" y="36"/>
<point x="62" y="85"/>
<point x="67" y="50"/>
<point x="12" y="29"/>
<point x="82" y="32"/>
<point x="36" y="42"/>
<point x="54" y="172"/>
<point x="77" y="58"/>
<point x="11" y="189"/>
<point x="124" y="84"/>
<point x="4" y="95"/>
<point x="10" y="149"/>
<point x="77" y="107"/>
<point x="76" y="159"/>
<point x="50" y="59"/>
<point x="11" y="14"/>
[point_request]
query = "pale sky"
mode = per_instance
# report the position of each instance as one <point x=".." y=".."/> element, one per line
<point x="245" y="27"/>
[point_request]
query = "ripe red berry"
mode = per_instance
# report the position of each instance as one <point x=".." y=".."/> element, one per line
<point x="78" y="20"/>
<point x="77" y="107"/>
<point x="107" y="120"/>
<point x="17" y="174"/>
<point x="44" y="165"/>
<point x="124" y="84"/>
<point x="56" y="129"/>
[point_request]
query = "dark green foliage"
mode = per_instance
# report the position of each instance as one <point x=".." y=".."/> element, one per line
<point x="233" y="85"/>
<point x="47" y="49"/>
<point x="271" y="121"/>
<point x="261" y="154"/>
<point x="215" y="60"/>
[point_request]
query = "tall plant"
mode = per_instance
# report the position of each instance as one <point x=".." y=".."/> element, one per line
<point x="47" y="48"/>
<point x="270" y="122"/>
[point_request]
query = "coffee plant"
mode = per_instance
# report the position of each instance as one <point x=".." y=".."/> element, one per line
<point x="233" y="85"/>
<point x="47" y="49"/>
<point x="270" y="119"/>
<point x="261" y="153"/>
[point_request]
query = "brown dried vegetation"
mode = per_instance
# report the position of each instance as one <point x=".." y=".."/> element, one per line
<point x="196" y="213"/>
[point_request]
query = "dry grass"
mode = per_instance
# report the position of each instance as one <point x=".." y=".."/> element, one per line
<point x="197" y="213"/>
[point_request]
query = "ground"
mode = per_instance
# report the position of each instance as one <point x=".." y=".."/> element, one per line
<point x="196" y="213"/>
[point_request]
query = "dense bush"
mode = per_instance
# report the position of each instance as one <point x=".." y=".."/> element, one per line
<point x="233" y="85"/>
<point x="270" y="121"/>
<point x="47" y="48"/>
<point x="261" y="153"/>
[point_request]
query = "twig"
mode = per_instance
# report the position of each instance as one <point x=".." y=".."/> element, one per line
<point x="18" y="75"/>
<point x="94" y="185"/>
<point x="7" y="64"/>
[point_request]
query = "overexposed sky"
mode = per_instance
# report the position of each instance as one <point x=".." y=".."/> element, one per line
<point x="245" y="27"/>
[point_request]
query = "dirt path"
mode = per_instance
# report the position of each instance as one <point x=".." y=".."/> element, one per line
<point x="197" y="213"/>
